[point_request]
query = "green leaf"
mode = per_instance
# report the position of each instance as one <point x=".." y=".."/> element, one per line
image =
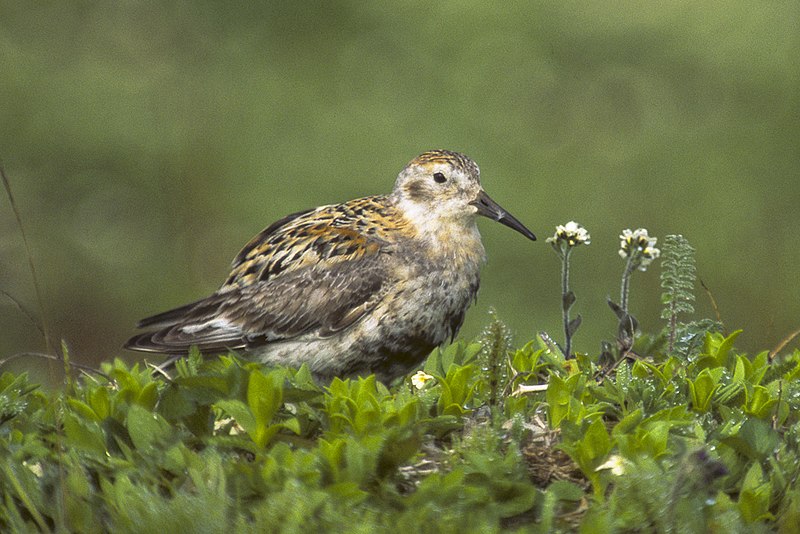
<point x="739" y="370"/>
<point x="567" y="300"/>
<point x="526" y="359"/>
<point x="728" y="392"/>
<point x="448" y="357"/>
<point x="82" y="435"/>
<point x="702" y="389"/>
<point x="566" y="491"/>
<point x="264" y="395"/>
<point x="628" y="423"/>
<point x="718" y="347"/>
<point x="433" y="365"/>
<point x="148" y="396"/>
<point x="589" y="450"/>
<point x="760" y="402"/>
<point x="596" y="443"/>
<point x="100" y="402"/>
<point x="293" y="425"/>
<point x="471" y="351"/>
<point x="654" y="439"/>
<point x="240" y="412"/>
<point x="759" y="367"/>
<point x="83" y="409"/>
<point x="755" y="439"/>
<point x="146" y="429"/>
<point x="456" y="390"/>
<point x="573" y="325"/>
<point x="754" y="496"/>
<point x="561" y="402"/>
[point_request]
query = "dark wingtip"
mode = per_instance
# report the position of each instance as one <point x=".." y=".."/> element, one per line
<point x="143" y="343"/>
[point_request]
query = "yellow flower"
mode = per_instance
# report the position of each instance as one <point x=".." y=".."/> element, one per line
<point x="420" y="379"/>
<point x="615" y="463"/>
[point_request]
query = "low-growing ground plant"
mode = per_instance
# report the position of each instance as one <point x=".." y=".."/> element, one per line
<point x="672" y="432"/>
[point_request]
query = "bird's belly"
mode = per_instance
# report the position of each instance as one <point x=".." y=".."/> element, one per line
<point x="430" y="306"/>
<point x="416" y="315"/>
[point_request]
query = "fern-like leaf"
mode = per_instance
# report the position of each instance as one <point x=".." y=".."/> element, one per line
<point x="677" y="280"/>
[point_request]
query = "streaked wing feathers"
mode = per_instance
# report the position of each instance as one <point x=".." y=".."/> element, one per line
<point x="326" y="235"/>
<point x="295" y="278"/>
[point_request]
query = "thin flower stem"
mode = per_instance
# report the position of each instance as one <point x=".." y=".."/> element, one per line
<point x="626" y="281"/>
<point x="673" y="325"/>
<point x="567" y="237"/>
<point x="564" y="308"/>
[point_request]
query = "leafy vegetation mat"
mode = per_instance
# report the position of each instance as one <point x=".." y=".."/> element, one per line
<point x="706" y="441"/>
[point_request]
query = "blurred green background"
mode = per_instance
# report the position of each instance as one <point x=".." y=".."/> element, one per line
<point x="146" y="142"/>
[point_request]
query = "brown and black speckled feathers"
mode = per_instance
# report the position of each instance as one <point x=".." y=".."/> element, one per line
<point x="326" y="235"/>
<point x="294" y="278"/>
<point x="454" y="159"/>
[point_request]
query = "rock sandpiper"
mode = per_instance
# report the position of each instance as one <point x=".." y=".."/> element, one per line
<point x="367" y="286"/>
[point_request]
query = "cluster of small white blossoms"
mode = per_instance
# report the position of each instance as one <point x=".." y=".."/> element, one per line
<point x="571" y="234"/>
<point x="639" y="247"/>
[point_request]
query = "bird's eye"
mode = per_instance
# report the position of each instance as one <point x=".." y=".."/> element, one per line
<point x="439" y="178"/>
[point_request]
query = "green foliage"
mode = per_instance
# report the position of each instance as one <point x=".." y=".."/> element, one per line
<point x="669" y="444"/>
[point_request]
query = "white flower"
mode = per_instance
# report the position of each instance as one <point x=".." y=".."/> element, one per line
<point x="234" y="428"/>
<point x="571" y="234"/>
<point x="616" y="464"/>
<point x="638" y="246"/>
<point x="420" y="379"/>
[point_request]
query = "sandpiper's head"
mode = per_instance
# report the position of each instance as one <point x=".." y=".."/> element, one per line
<point x="447" y="184"/>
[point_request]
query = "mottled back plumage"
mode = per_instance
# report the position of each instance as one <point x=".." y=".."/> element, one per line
<point x="367" y="286"/>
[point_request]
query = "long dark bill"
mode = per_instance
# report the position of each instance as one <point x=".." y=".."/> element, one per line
<point x="491" y="209"/>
